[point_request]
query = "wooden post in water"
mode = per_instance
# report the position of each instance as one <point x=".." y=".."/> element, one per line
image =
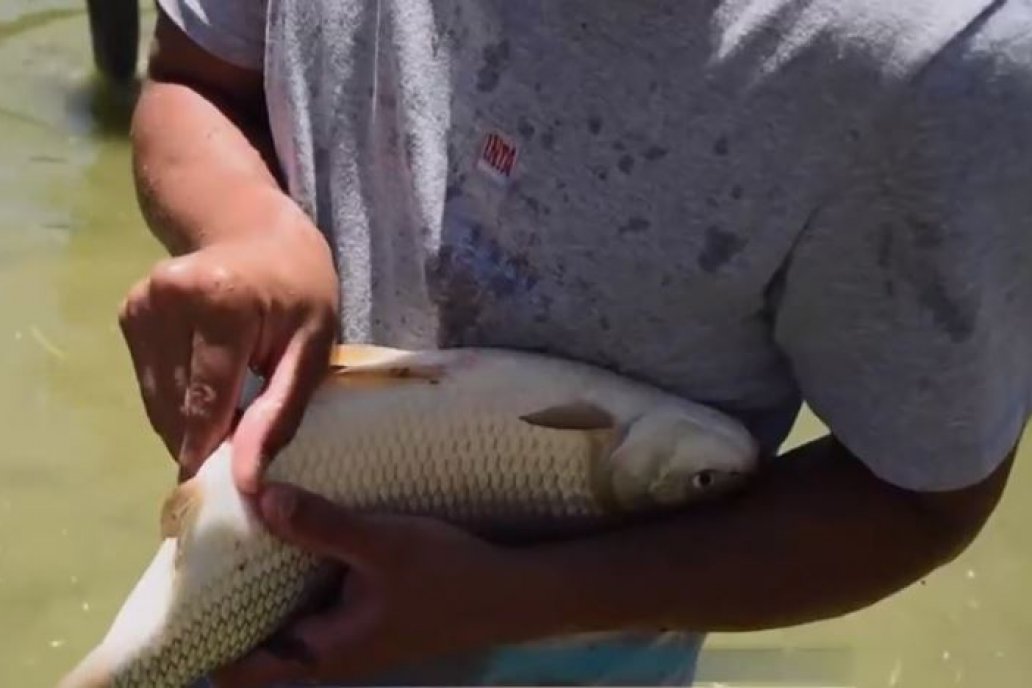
<point x="115" y="37"/>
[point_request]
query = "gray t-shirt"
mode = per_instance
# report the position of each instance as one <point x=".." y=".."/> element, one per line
<point x="749" y="202"/>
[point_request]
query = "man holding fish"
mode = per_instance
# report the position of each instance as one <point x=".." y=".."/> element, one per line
<point x="751" y="203"/>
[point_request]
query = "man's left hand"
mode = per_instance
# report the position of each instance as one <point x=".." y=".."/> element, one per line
<point x="414" y="589"/>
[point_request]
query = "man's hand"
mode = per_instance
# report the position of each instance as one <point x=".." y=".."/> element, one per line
<point x="251" y="283"/>
<point x="198" y="322"/>
<point x="414" y="589"/>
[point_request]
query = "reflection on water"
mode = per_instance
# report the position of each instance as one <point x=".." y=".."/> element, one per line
<point x="81" y="475"/>
<point x="108" y="104"/>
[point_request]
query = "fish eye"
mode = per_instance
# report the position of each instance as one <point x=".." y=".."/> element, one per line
<point x="703" y="479"/>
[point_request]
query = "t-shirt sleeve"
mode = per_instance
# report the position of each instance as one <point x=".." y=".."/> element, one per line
<point x="905" y="307"/>
<point x="232" y="30"/>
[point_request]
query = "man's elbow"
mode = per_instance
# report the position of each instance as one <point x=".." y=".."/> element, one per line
<point x="950" y="538"/>
<point x="953" y="520"/>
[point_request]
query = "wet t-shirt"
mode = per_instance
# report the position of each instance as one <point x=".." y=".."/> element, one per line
<point x="752" y="203"/>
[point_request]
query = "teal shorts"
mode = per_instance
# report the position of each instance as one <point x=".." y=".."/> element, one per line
<point x="668" y="659"/>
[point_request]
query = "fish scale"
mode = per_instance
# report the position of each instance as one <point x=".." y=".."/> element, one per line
<point x="496" y="441"/>
<point x="201" y="641"/>
<point x="456" y="462"/>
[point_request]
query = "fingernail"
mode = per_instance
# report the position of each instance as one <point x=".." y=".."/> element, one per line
<point x="249" y="483"/>
<point x="185" y="473"/>
<point x="186" y="454"/>
<point x="279" y="503"/>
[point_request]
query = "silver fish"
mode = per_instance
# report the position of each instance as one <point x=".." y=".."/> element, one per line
<point x="504" y="443"/>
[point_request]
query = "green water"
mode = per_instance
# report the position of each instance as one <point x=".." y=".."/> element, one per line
<point x="81" y="475"/>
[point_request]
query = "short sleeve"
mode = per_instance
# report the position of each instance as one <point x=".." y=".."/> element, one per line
<point x="232" y="30"/>
<point x="905" y="307"/>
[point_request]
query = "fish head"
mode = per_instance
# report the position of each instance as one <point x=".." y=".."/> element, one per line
<point x="670" y="458"/>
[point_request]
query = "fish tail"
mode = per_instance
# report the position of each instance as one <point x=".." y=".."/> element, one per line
<point x="139" y="620"/>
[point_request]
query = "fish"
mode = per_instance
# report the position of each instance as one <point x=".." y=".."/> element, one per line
<point x="514" y="446"/>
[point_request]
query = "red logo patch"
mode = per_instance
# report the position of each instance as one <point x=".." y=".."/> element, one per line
<point x="497" y="157"/>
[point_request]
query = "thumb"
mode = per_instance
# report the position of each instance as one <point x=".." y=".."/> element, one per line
<point x="316" y="525"/>
<point x="271" y="420"/>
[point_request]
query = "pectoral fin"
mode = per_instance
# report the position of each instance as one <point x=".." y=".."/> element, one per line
<point x="577" y="415"/>
<point x="180" y="509"/>
<point x="601" y="432"/>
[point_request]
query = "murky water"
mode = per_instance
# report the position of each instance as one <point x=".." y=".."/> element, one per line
<point x="81" y="475"/>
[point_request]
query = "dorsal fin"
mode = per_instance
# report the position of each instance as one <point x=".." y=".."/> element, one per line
<point x="364" y="356"/>
<point x="365" y="366"/>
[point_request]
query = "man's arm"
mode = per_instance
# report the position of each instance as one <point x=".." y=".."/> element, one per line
<point x="203" y="158"/>
<point x="815" y="538"/>
<point x="819" y="536"/>
<point x="251" y="284"/>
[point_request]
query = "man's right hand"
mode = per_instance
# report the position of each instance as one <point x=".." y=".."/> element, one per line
<point x="251" y="282"/>
<point x="198" y="322"/>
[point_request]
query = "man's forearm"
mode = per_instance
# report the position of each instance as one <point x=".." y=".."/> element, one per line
<point x="203" y="157"/>
<point x="816" y="538"/>
<point x="199" y="178"/>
